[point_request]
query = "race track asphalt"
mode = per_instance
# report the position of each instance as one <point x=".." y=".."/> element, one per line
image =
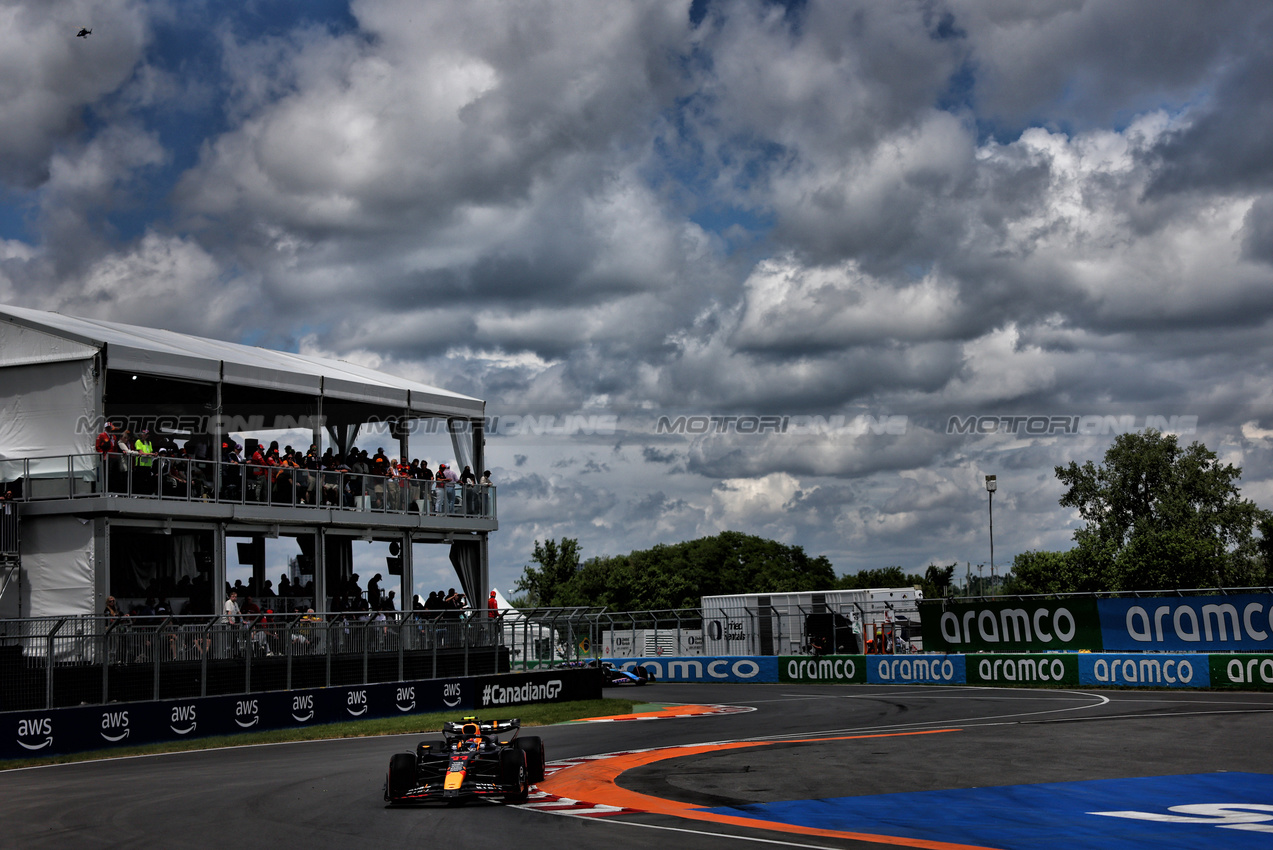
<point x="811" y="742"/>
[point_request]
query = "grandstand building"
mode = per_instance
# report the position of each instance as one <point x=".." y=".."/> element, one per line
<point x="80" y="526"/>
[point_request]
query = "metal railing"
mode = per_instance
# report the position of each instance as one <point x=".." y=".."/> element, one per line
<point x="89" y="660"/>
<point x="189" y="480"/>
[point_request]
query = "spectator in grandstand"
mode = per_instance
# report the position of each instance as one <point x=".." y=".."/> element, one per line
<point x="468" y="490"/>
<point x="144" y="464"/>
<point x="112" y="463"/>
<point x="425" y="476"/>
<point x="373" y="591"/>
<point x="445" y="482"/>
<point x="484" y="486"/>
<point x="492" y="606"/>
<point x="232" y="613"/>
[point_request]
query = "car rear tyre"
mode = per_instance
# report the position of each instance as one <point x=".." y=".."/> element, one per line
<point x="514" y="776"/>
<point x="533" y="747"/>
<point x="402" y="775"/>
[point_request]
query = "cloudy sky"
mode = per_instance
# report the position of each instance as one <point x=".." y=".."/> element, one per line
<point x="830" y="235"/>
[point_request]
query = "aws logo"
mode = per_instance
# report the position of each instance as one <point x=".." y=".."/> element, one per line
<point x="303" y="708"/>
<point x="451" y="694"/>
<point x="183" y="719"/>
<point x="32" y="730"/>
<point x="247" y="713"/>
<point x="404" y="696"/>
<point x="115" y="725"/>
<point x="356" y="703"/>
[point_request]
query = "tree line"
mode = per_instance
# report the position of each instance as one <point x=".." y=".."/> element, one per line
<point x="678" y="575"/>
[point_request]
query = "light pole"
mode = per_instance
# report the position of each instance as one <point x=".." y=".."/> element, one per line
<point x="991" y="486"/>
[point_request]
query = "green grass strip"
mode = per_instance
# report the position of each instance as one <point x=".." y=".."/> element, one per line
<point x="530" y="715"/>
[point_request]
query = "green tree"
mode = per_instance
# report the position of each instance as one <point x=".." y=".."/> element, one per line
<point x="547" y="584"/>
<point x="937" y="581"/>
<point x="879" y="577"/>
<point x="1156" y="516"/>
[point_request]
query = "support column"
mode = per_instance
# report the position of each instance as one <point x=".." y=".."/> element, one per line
<point x="218" y="567"/>
<point x="408" y="572"/>
<point x="320" y="570"/>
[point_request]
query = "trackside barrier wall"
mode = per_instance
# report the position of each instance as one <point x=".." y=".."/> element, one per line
<point x="68" y="730"/>
<point x="1067" y="669"/>
<point x="699" y="668"/>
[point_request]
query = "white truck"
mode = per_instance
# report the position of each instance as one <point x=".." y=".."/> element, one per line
<point x="822" y="621"/>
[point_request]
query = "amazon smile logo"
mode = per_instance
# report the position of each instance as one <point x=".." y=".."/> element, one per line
<point x="115" y="726"/>
<point x="35" y="728"/>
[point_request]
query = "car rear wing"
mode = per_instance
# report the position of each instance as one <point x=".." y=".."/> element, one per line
<point x="489" y="727"/>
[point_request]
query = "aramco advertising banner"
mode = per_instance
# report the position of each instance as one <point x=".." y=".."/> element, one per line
<point x="1011" y="625"/>
<point x="1233" y="623"/>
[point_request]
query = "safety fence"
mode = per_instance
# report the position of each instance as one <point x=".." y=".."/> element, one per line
<point x="60" y="661"/>
<point x="539" y="637"/>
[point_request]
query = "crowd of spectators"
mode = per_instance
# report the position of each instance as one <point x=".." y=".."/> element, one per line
<point x="154" y="464"/>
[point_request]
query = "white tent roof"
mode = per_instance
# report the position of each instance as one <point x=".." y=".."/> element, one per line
<point x="36" y="336"/>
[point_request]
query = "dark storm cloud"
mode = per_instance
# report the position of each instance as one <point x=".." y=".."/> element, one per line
<point x="653" y="454"/>
<point x="1229" y="145"/>
<point x="1257" y="231"/>
<point x="1080" y="65"/>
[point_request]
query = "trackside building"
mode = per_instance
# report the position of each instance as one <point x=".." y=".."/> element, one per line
<point x="80" y="527"/>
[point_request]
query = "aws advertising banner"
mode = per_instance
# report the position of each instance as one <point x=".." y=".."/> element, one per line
<point x="30" y="734"/>
<point x="1188" y="623"/>
<point x="1248" y="672"/>
<point x="1159" y="670"/>
<point x="706" y="668"/>
<point x="1056" y="668"/>
<point x="830" y="669"/>
<point x="1015" y="625"/>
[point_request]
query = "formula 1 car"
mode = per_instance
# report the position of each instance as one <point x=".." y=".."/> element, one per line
<point x="612" y="675"/>
<point x="617" y="676"/>
<point x="468" y="763"/>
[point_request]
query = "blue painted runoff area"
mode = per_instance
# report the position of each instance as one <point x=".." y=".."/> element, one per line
<point x="1230" y="810"/>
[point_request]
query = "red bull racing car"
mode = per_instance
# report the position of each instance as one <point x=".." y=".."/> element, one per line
<point x="471" y="761"/>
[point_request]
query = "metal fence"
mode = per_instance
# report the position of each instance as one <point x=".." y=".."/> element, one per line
<point x="539" y="637"/>
<point x="89" y="660"/>
<point x="188" y="480"/>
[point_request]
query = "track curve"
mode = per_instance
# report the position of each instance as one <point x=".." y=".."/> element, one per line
<point x="800" y="743"/>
